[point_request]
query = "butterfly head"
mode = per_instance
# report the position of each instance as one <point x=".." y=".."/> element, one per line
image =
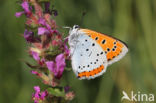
<point x="76" y="27"/>
<point x="74" y="32"/>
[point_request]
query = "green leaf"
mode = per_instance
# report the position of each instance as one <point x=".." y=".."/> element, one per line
<point x="56" y="92"/>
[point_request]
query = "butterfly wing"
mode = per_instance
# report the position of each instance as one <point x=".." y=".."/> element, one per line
<point x="88" y="58"/>
<point x="114" y="49"/>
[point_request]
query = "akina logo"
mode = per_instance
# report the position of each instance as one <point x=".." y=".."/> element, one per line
<point x="138" y="96"/>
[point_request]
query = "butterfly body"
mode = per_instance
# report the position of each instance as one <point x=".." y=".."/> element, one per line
<point x="91" y="52"/>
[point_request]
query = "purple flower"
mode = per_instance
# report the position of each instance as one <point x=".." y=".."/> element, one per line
<point x="34" y="72"/>
<point x="37" y="89"/>
<point x="39" y="96"/>
<point x="47" y="9"/>
<point x="54" y="12"/>
<point x="66" y="49"/>
<point x="18" y="14"/>
<point x="47" y="5"/>
<point x="42" y="31"/>
<point x="66" y="89"/>
<point x="42" y="21"/>
<point x="43" y="95"/>
<point x="47" y="28"/>
<point x="51" y="66"/>
<point x="58" y="67"/>
<point x="35" y="55"/>
<point x="29" y="36"/>
<point x="25" y="6"/>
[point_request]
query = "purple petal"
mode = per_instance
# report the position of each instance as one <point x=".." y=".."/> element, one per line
<point x="54" y="12"/>
<point x="66" y="40"/>
<point x="42" y="60"/>
<point x="55" y="31"/>
<point x="44" y="94"/>
<point x="37" y="89"/>
<point x="29" y="36"/>
<point x="34" y="72"/>
<point x="25" y="6"/>
<point x="66" y="49"/>
<point x="35" y="55"/>
<point x="47" y="5"/>
<point x="37" y="96"/>
<point x="42" y="21"/>
<point x="42" y="30"/>
<point x="58" y="67"/>
<point x="66" y="89"/>
<point x="18" y="14"/>
<point x="51" y="66"/>
<point x="60" y="63"/>
<point x="27" y="33"/>
<point x="48" y="27"/>
<point x="36" y="101"/>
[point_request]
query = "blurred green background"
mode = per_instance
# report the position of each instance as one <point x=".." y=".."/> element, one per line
<point x="133" y="21"/>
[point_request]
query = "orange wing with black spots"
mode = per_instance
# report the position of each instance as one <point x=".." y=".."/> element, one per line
<point x="91" y="73"/>
<point x="114" y="49"/>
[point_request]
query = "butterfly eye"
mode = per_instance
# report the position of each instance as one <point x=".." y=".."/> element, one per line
<point x="76" y="26"/>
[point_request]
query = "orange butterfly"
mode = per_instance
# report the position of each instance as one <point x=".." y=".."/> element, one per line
<point x="91" y="52"/>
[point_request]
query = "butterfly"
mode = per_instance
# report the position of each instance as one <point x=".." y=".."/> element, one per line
<point x="91" y="52"/>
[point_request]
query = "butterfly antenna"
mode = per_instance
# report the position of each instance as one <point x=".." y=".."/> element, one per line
<point x="82" y="17"/>
<point x="66" y="27"/>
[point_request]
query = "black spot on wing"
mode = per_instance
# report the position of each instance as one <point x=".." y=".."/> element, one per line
<point x="93" y="44"/>
<point x="108" y="49"/>
<point x="113" y="49"/>
<point x="96" y="38"/>
<point x="103" y="41"/>
<point x="101" y="53"/>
